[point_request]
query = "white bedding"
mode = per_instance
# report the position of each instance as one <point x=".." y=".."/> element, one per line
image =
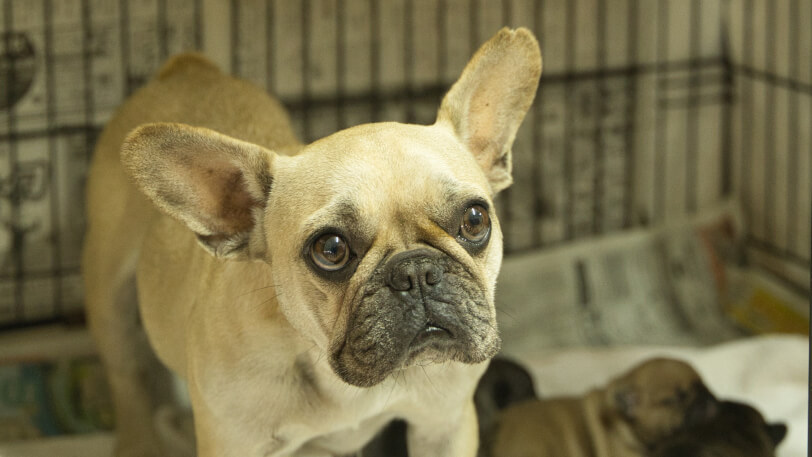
<point x="769" y="372"/>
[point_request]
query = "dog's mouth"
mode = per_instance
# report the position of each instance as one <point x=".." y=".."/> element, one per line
<point x="431" y="336"/>
<point x="430" y="332"/>
<point x="391" y="328"/>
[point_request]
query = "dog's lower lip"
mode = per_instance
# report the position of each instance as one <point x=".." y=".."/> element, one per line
<point x="434" y="330"/>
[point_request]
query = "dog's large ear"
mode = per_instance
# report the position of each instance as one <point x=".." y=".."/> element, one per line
<point x="218" y="186"/>
<point x="487" y="104"/>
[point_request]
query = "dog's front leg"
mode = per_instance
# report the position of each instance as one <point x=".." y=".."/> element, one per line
<point x="444" y="434"/>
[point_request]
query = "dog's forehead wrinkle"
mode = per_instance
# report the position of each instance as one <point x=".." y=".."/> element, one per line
<point x="392" y="151"/>
<point x="341" y="211"/>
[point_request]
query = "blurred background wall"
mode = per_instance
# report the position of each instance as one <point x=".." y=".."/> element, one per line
<point x="648" y="110"/>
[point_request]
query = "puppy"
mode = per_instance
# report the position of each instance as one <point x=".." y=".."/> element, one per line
<point x="737" y="430"/>
<point x="626" y="419"/>
<point x="504" y="383"/>
<point x="307" y="294"/>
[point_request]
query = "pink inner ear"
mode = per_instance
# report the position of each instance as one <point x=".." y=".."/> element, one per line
<point x="222" y="198"/>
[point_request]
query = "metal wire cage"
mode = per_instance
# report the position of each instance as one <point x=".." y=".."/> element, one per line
<point x="648" y="110"/>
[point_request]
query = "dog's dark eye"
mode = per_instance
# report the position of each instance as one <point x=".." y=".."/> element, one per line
<point x="476" y="224"/>
<point x="330" y="252"/>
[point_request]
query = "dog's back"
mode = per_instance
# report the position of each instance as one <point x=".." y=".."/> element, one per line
<point x="562" y="426"/>
<point x="188" y="89"/>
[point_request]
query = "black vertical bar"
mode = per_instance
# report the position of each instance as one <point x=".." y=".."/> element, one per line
<point x="305" y="30"/>
<point x="341" y="65"/>
<point x="198" y="18"/>
<point x="473" y="23"/>
<point x="769" y="131"/>
<point x="270" y="75"/>
<point x="809" y="234"/>
<point x="234" y="38"/>
<point x="631" y="113"/>
<point x="163" y="30"/>
<point x="124" y="26"/>
<point x="50" y="112"/>
<point x="18" y="237"/>
<point x="511" y="195"/>
<point x="375" y="59"/>
<point x="692" y="122"/>
<point x="538" y="138"/>
<point x="599" y="172"/>
<point x="726" y="114"/>
<point x="568" y="167"/>
<point x="408" y="58"/>
<point x="87" y="77"/>
<point x="660" y="129"/>
<point x="442" y="41"/>
<point x="508" y="195"/>
<point x="746" y="159"/>
<point x="793" y="148"/>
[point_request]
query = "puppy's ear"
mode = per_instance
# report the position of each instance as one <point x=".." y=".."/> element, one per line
<point x="487" y="104"/>
<point x="218" y="186"/>
<point x="776" y="431"/>
<point x="625" y="400"/>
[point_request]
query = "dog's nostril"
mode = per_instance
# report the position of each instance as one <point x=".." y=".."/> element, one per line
<point x="434" y="275"/>
<point x="401" y="284"/>
<point x="412" y="270"/>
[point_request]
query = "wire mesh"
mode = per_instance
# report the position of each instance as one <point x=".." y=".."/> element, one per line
<point x="647" y="110"/>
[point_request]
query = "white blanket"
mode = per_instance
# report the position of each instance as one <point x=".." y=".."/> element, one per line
<point x="768" y="372"/>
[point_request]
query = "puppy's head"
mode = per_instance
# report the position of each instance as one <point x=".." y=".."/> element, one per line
<point x="745" y="427"/>
<point x="504" y="383"/>
<point x="659" y="397"/>
<point x="382" y="239"/>
<point x="737" y="429"/>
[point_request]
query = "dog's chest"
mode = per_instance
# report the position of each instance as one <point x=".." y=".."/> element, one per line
<point x="348" y="439"/>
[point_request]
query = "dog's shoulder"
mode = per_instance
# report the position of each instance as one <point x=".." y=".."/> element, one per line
<point x="189" y="61"/>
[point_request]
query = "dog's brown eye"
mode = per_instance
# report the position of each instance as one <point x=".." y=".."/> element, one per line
<point x="475" y="224"/>
<point x="330" y="252"/>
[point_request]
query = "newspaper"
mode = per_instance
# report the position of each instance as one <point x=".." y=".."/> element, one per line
<point x="53" y="398"/>
<point x="682" y="284"/>
<point x="51" y="383"/>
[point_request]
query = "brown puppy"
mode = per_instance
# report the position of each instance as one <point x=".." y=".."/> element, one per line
<point x="737" y="430"/>
<point x="307" y="294"/>
<point x="626" y="419"/>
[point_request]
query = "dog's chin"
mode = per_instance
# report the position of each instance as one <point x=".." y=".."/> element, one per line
<point x="429" y="346"/>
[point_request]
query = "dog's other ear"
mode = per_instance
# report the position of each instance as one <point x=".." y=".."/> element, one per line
<point x="776" y="431"/>
<point x="487" y="104"/>
<point x="624" y="400"/>
<point x="217" y="185"/>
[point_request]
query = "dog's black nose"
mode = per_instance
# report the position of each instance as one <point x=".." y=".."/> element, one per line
<point x="413" y="270"/>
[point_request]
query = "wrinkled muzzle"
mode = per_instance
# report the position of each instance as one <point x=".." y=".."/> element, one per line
<point x="419" y="305"/>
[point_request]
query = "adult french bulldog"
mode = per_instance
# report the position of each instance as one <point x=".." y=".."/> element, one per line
<point x="737" y="430"/>
<point x="307" y="294"/>
<point x="627" y="418"/>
